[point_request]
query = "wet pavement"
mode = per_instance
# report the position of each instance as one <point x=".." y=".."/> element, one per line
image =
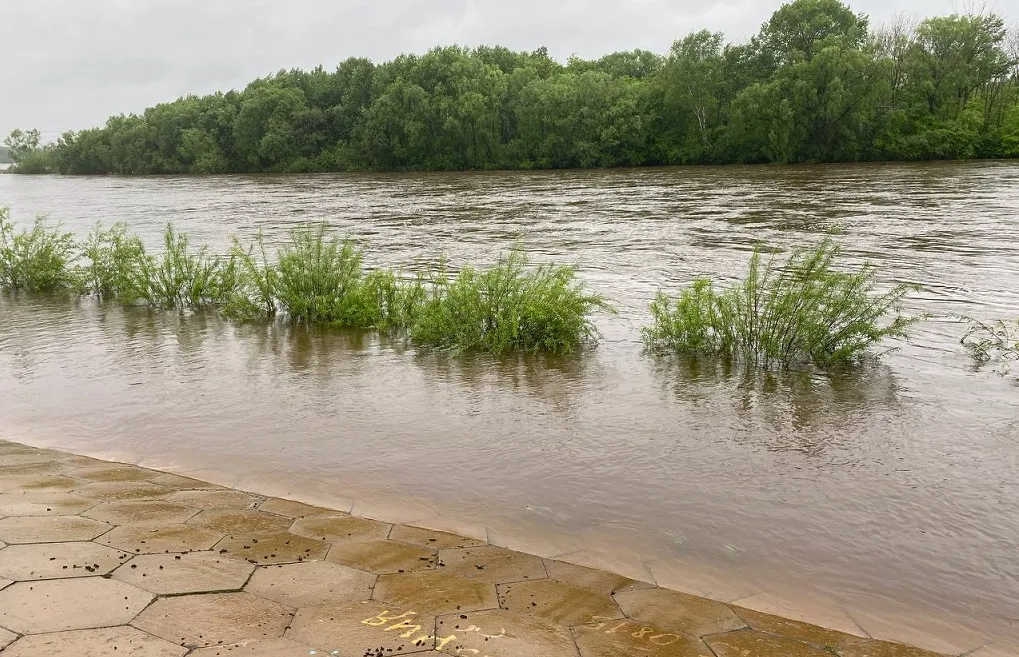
<point x="100" y="559"/>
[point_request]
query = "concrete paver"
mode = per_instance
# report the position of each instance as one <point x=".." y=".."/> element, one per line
<point x="43" y="504"/>
<point x="501" y="633"/>
<point x="431" y="538"/>
<point x="751" y="643"/>
<point x="50" y="529"/>
<point x="207" y="620"/>
<point x="150" y="538"/>
<point x="239" y="521"/>
<point x="491" y="564"/>
<point x="215" y="499"/>
<point x="598" y="581"/>
<point x="557" y="602"/>
<point x="101" y="642"/>
<point x="678" y="611"/>
<point x="69" y="604"/>
<point x="341" y="528"/>
<point x="6" y="638"/>
<point x="35" y="561"/>
<point x="106" y="491"/>
<point x="272" y="548"/>
<point x="175" y="574"/>
<point x="292" y="509"/>
<point x="311" y="583"/>
<point x="363" y="628"/>
<point x="190" y="566"/>
<point x="435" y="592"/>
<point x="631" y="639"/>
<point x="102" y="473"/>
<point x="382" y="556"/>
<point x="268" y="648"/>
<point x="143" y="512"/>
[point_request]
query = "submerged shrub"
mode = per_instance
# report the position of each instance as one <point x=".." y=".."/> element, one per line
<point x="181" y="278"/>
<point x="35" y="259"/>
<point x="255" y="295"/>
<point x="112" y="257"/>
<point x="802" y="312"/>
<point x="318" y="277"/>
<point x="507" y="307"/>
<point x="996" y="342"/>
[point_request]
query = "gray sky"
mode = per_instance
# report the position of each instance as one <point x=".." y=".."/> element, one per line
<point x="68" y="64"/>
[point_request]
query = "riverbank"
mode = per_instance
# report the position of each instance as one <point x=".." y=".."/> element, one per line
<point x="204" y="570"/>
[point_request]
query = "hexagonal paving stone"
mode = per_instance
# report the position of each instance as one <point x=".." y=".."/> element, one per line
<point x="181" y="483"/>
<point x="195" y="572"/>
<point x="6" y="638"/>
<point x="491" y="564"/>
<point x="50" y="529"/>
<point x="750" y="643"/>
<point x="341" y="528"/>
<point x="278" y="547"/>
<point x="53" y="560"/>
<point x="116" y="473"/>
<point x="240" y="522"/>
<point x="501" y="633"/>
<point x="43" y="504"/>
<point x="813" y="634"/>
<point x="206" y="620"/>
<point x="144" y="512"/>
<point x="69" y="604"/>
<point x="292" y="509"/>
<point x="124" y="490"/>
<point x="557" y="602"/>
<point x="630" y="639"/>
<point x="268" y="648"/>
<point x="598" y="581"/>
<point x="37" y="483"/>
<point x="215" y="499"/>
<point x="153" y="539"/>
<point x="311" y="583"/>
<point x="382" y="556"/>
<point x="435" y="592"/>
<point x="363" y="628"/>
<point x="432" y="538"/>
<point x="872" y="648"/>
<point x="678" y="612"/>
<point x="101" y="642"/>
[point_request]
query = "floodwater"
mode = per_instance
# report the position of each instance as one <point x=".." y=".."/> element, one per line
<point x="889" y="489"/>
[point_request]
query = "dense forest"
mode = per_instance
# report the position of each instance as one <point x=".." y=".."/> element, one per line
<point x="815" y="84"/>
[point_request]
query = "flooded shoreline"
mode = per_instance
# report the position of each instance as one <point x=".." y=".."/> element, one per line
<point x="890" y="486"/>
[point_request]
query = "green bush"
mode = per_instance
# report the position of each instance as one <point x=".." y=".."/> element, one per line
<point x="112" y="257"/>
<point x="802" y="312"/>
<point x="318" y="278"/>
<point x="507" y="307"/>
<point x="181" y="278"/>
<point x="37" y="259"/>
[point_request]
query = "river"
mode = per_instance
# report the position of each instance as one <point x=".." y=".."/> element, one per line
<point x="888" y="491"/>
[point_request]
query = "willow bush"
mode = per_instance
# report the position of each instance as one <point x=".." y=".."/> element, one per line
<point x="37" y="259"/>
<point x="508" y="306"/>
<point x="803" y="312"/>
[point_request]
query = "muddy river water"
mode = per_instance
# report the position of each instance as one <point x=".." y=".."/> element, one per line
<point x="887" y="490"/>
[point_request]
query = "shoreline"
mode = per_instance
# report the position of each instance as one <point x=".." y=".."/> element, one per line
<point x="686" y="580"/>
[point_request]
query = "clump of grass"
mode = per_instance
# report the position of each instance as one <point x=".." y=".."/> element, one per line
<point x="255" y="296"/>
<point x="36" y="259"/>
<point x="181" y="277"/>
<point x="803" y="312"/>
<point x="112" y="257"/>
<point x="995" y="341"/>
<point x="507" y="307"/>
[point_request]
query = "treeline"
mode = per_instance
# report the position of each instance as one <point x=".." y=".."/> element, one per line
<point x="815" y="84"/>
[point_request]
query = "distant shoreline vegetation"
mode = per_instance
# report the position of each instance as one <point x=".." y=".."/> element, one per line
<point x="815" y="84"/>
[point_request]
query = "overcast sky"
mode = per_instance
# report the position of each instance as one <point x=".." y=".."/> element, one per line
<point x="68" y="64"/>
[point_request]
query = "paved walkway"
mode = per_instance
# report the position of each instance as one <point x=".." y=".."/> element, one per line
<point x="103" y="559"/>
